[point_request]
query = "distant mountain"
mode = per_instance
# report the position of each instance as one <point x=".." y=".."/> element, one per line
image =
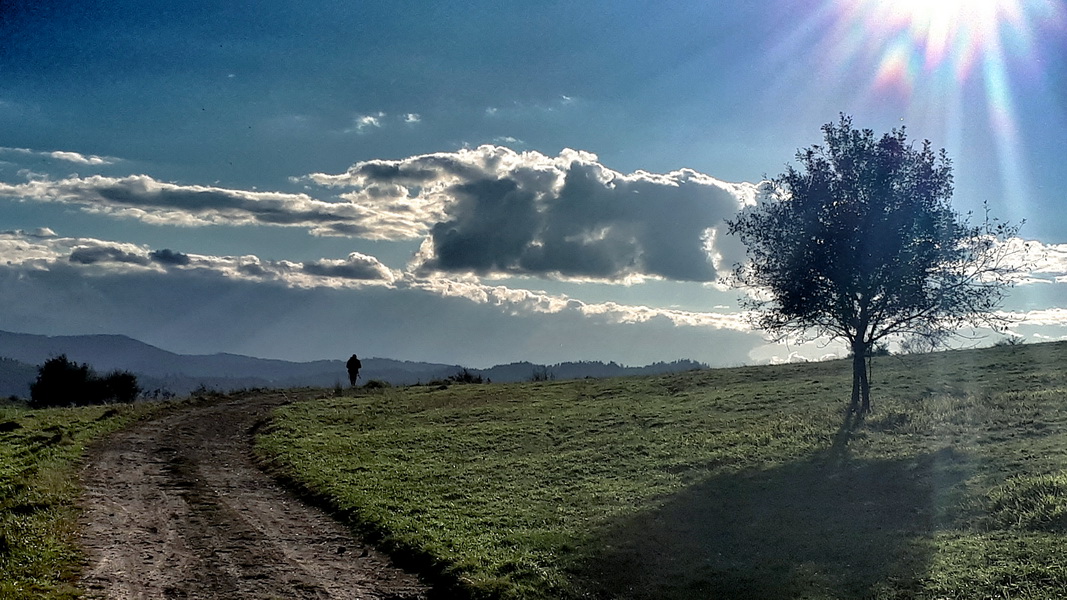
<point x="158" y="369"/>
<point x="526" y="371"/>
<point x="15" y="378"/>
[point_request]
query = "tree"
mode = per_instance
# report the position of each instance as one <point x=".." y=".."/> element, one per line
<point x="62" y="382"/>
<point x="59" y="382"/>
<point x="861" y="244"/>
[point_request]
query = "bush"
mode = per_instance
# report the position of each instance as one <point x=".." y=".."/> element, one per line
<point x="62" y="382"/>
<point x="465" y="376"/>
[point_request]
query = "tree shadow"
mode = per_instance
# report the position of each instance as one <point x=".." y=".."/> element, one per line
<point x="830" y="527"/>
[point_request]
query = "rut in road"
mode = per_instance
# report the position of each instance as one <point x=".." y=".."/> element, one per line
<point x="176" y="508"/>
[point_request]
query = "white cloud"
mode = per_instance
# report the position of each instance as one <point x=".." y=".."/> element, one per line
<point x="362" y="123"/>
<point x="520" y="301"/>
<point x="1054" y="316"/>
<point x="73" y="157"/>
<point x="412" y="118"/>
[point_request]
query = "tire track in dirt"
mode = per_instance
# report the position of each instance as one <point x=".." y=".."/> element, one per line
<point x="176" y="508"/>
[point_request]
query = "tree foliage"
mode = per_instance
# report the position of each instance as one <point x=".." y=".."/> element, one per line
<point x="860" y="243"/>
<point x="62" y="382"/>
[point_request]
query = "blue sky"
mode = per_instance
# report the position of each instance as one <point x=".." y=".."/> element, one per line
<point x="480" y="182"/>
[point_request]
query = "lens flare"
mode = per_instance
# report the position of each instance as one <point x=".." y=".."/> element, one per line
<point x="934" y="53"/>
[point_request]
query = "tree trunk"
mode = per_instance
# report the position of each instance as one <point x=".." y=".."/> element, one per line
<point x="861" y="386"/>
<point x="857" y="369"/>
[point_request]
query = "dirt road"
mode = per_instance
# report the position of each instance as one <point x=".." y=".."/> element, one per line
<point x="176" y="508"/>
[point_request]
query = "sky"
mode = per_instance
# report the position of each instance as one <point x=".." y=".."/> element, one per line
<point x="483" y="182"/>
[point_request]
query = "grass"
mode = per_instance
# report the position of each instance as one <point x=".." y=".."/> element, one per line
<point x="732" y="483"/>
<point x="40" y="452"/>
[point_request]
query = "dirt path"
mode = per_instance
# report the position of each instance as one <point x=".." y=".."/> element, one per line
<point x="175" y="508"/>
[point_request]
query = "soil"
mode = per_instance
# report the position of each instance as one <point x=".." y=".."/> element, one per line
<point x="177" y="508"/>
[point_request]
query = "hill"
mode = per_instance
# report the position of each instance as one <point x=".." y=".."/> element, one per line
<point x="182" y="373"/>
<point x="725" y="483"/>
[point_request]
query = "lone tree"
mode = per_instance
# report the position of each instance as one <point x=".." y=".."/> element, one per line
<point x="861" y="244"/>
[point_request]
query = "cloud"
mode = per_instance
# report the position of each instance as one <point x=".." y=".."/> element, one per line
<point x="1054" y="316"/>
<point x="485" y="211"/>
<point x="169" y="257"/>
<point x="493" y="211"/>
<point x="73" y="157"/>
<point x="92" y="257"/>
<point x="356" y="266"/>
<point x="146" y="199"/>
<point x="521" y="301"/>
<point x="412" y="118"/>
<point x="362" y="123"/>
<point x="88" y="255"/>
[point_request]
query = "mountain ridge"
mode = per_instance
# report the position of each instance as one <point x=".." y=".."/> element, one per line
<point x="170" y="372"/>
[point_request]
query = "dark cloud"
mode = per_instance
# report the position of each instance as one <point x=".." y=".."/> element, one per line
<point x="493" y="223"/>
<point x="589" y="222"/>
<point x="144" y="198"/>
<point x="169" y="257"/>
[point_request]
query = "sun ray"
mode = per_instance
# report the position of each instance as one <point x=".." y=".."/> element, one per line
<point x="948" y="62"/>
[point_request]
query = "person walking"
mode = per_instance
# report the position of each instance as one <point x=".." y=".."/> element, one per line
<point x="353" y="365"/>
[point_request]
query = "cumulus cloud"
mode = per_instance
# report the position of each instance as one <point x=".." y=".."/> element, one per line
<point x="485" y="211"/>
<point x="491" y="210"/>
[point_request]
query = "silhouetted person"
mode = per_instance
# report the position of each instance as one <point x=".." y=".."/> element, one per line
<point x="353" y="365"/>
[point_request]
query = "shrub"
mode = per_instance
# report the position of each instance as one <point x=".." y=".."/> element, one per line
<point x="62" y="382"/>
<point x="465" y="376"/>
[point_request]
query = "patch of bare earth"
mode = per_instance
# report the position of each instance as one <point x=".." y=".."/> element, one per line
<point x="176" y="508"/>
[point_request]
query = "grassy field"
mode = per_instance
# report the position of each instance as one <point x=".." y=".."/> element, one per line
<point x="40" y="451"/>
<point x="733" y="483"/>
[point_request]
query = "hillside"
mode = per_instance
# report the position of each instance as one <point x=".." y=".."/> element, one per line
<point x="731" y="483"/>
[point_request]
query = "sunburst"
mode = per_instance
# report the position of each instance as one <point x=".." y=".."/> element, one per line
<point x="927" y="53"/>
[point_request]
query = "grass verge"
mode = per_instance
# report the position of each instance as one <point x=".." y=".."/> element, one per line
<point x="732" y="483"/>
<point x="40" y="452"/>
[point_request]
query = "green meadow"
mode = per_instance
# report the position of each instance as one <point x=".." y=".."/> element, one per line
<point x="40" y="452"/>
<point x="726" y="483"/>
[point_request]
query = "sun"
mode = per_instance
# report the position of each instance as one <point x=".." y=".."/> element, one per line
<point x="960" y="31"/>
<point x="951" y="62"/>
<point x="950" y="37"/>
